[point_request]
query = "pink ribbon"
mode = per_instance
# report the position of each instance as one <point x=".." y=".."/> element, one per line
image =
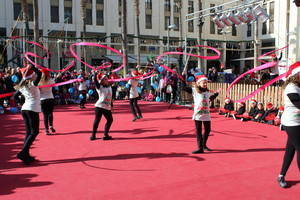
<point x="44" y="86"/>
<point x="264" y="66"/>
<point x="27" y="54"/>
<point x="261" y="88"/>
<point x="134" y="77"/>
<point x="189" y="54"/>
<point x="72" y="50"/>
<point x="270" y="52"/>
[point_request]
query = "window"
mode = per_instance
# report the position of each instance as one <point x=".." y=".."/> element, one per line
<point x="120" y="13"/>
<point x="176" y="22"/>
<point x="249" y="30"/>
<point x="89" y="16"/>
<point x="99" y="18"/>
<point x="191" y="26"/>
<point x="30" y="11"/>
<point x="54" y="11"/>
<point x="219" y="31"/>
<point x="177" y="6"/>
<point x="167" y="22"/>
<point x="234" y="31"/>
<point x="271" y="20"/>
<point x="148" y="4"/>
<point x="264" y="28"/>
<point x="99" y="13"/>
<point x="167" y="6"/>
<point x="68" y="11"/>
<point x="212" y="29"/>
<point x="191" y="7"/>
<point x="17" y="9"/>
<point x="148" y="21"/>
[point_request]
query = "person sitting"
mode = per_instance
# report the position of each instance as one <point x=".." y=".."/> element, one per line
<point x="260" y="112"/>
<point x="240" y="111"/>
<point x="228" y="107"/>
<point x="277" y="120"/>
<point x="251" y="114"/>
<point x="270" y="114"/>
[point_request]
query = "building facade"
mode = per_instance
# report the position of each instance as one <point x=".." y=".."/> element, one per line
<point x="61" y="24"/>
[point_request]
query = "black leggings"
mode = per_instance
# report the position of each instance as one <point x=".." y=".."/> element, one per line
<point x="47" y="109"/>
<point x="109" y="120"/>
<point x="32" y="124"/>
<point x="83" y="100"/>
<point x="207" y="127"/>
<point x="134" y="107"/>
<point x="292" y="145"/>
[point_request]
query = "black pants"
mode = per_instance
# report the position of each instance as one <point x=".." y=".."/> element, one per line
<point x="292" y="145"/>
<point x="32" y="124"/>
<point x="109" y="120"/>
<point x="134" y="107"/>
<point x="168" y="97"/>
<point x="201" y="141"/>
<point x="83" y="100"/>
<point x="47" y="109"/>
<point x="114" y="92"/>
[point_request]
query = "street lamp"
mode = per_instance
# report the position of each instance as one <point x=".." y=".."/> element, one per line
<point x="172" y="26"/>
<point x="58" y="52"/>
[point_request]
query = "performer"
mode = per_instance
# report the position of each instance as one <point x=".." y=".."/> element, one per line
<point x="291" y="121"/>
<point x="47" y="101"/>
<point x="103" y="106"/>
<point x="82" y="89"/>
<point x="201" y="115"/>
<point x="133" y="96"/>
<point x="30" y="109"/>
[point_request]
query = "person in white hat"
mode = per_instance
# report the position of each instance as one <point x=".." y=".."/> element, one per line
<point x="30" y="109"/>
<point x="134" y="95"/>
<point x="228" y="107"/>
<point x="291" y="120"/>
<point x="103" y="106"/>
<point x="201" y="115"/>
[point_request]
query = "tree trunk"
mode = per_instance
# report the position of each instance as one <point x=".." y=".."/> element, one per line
<point x="124" y="35"/>
<point x="24" y="7"/>
<point x="83" y="4"/>
<point x="36" y="32"/>
<point x="137" y="4"/>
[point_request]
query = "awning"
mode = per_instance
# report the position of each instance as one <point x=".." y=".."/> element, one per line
<point x="133" y="59"/>
<point x="249" y="58"/>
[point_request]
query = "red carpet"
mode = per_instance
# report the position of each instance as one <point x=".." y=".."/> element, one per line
<point x="149" y="159"/>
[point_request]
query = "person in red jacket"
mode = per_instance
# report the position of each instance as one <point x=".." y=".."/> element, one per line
<point x="228" y="107"/>
<point x="251" y="114"/>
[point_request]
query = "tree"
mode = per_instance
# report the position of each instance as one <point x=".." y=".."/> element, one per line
<point x="36" y="31"/>
<point x="25" y="14"/>
<point x="137" y="12"/>
<point x="124" y="35"/>
<point x="83" y="4"/>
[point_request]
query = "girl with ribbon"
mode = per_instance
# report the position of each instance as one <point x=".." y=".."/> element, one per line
<point x="30" y="109"/>
<point x="82" y="89"/>
<point x="201" y="115"/>
<point x="291" y="120"/>
<point x="134" y="95"/>
<point x="103" y="106"/>
<point x="47" y="101"/>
